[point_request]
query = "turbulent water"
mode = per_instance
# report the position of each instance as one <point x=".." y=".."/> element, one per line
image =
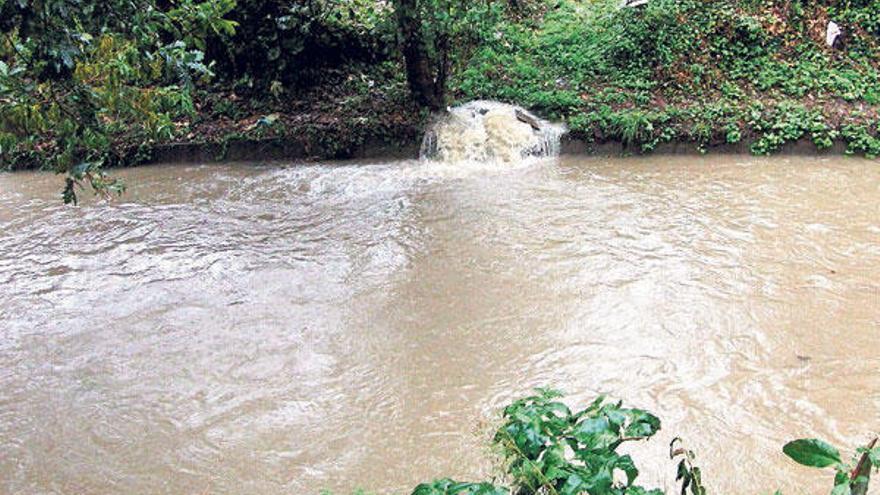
<point x="283" y="329"/>
<point x="488" y="131"/>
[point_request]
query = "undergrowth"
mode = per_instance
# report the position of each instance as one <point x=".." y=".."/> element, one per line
<point x="706" y="72"/>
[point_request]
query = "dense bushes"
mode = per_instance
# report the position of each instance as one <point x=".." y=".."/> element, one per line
<point x="292" y="41"/>
<point x="77" y="78"/>
<point x="659" y="72"/>
<point x="85" y="83"/>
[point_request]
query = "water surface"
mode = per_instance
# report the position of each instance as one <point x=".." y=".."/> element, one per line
<point x="285" y="329"/>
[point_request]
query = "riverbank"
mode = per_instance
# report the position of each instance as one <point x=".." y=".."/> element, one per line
<point x="353" y="112"/>
<point x="378" y="127"/>
<point x="376" y="146"/>
<point x="683" y="76"/>
<point x="382" y="127"/>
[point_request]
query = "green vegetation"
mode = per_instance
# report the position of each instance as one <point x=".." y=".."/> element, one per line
<point x="78" y="80"/>
<point x="86" y="83"/>
<point x="549" y="449"/>
<point x="709" y="73"/>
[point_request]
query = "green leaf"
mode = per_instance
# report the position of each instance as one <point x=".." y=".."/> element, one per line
<point x="812" y="452"/>
<point x="573" y="485"/>
<point x="554" y="463"/>
<point x="697" y="487"/>
<point x="644" y="424"/>
<point x="841" y="489"/>
<point x="682" y="471"/>
<point x="626" y="464"/>
<point x="447" y="486"/>
<point x="596" y="433"/>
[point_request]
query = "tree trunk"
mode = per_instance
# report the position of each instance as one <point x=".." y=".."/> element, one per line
<point x="427" y="89"/>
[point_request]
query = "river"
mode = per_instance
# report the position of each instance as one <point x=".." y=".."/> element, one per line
<point x="241" y="329"/>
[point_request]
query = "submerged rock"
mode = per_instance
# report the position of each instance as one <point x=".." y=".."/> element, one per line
<point x="528" y="119"/>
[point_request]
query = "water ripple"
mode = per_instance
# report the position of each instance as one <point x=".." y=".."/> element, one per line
<point x="284" y="328"/>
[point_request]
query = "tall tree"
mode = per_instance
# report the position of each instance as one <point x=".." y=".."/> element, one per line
<point x="426" y="65"/>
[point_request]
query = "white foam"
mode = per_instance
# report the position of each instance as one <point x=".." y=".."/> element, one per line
<point x="489" y="131"/>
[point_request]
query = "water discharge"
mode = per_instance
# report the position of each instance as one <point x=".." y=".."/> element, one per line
<point x="488" y="131"/>
<point x="282" y="329"/>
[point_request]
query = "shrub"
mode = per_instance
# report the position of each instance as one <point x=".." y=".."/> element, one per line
<point x="550" y="449"/>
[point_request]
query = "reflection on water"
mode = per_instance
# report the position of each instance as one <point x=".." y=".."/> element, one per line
<point x="281" y="329"/>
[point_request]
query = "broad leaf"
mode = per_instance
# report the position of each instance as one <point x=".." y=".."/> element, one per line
<point x="596" y="433"/>
<point x="644" y="424"/>
<point x="626" y="464"/>
<point x="447" y="486"/>
<point x="812" y="452"/>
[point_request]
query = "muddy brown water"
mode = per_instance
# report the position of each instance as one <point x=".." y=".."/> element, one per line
<point x="240" y="329"/>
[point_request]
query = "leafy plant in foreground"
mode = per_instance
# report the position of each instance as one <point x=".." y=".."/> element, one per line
<point x="549" y="447"/>
<point x="687" y="473"/>
<point x="551" y="450"/>
<point x="849" y="479"/>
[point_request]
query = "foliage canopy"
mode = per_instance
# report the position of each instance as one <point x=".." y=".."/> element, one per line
<point x="75" y="73"/>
